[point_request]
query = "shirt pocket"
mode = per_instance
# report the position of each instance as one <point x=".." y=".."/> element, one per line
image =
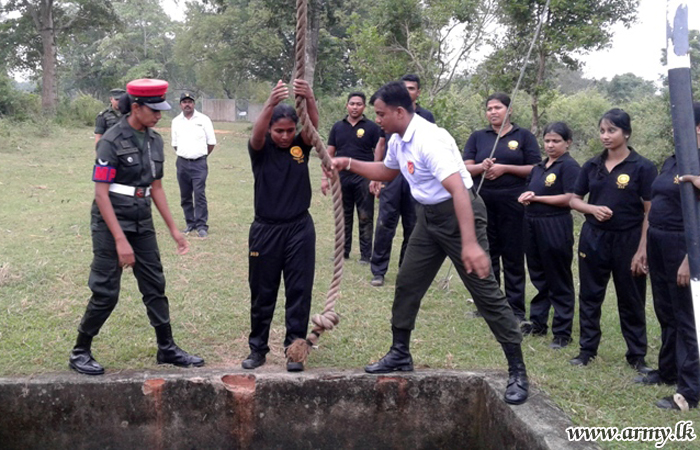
<point x="129" y="156"/>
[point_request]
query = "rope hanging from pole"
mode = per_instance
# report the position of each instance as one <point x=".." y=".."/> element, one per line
<point x="299" y="350"/>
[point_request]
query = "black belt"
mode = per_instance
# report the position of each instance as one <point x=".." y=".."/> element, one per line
<point x="195" y="159"/>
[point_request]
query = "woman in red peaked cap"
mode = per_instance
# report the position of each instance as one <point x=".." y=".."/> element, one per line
<point x="127" y="175"/>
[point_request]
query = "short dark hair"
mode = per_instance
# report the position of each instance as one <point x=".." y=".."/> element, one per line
<point x="560" y="128"/>
<point x="394" y="94"/>
<point x="696" y="111"/>
<point x="619" y="118"/>
<point x="284" y="111"/>
<point x="411" y="77"/>
<point x="500" y="96"/>
<point x="358" y="94"/>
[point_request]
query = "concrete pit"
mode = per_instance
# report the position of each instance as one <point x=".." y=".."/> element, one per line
<point x="211" y="409"/>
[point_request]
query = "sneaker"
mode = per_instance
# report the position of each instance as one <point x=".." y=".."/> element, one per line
<point x="188" y="230"/>
<point x="253" y="361"/>
<point x="559" y="342"/>
<point x="582" y="359"/>
<point x="377" y="281"/>
<point x="202" y="233"/>
<point x="677" y="402"/>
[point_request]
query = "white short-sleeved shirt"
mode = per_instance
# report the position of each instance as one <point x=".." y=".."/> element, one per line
<point x="426" y="155"/>
<point x="191" y="136"/>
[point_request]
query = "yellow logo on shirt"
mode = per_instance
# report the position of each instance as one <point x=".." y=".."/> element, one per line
<point x="254" y="254"/>
<point x="513" y="145"/>
<point x="297" y="154"/>
<point x="622" y="181"/>
<point x="360" y="133"/>
<point x="676" y="180"/>
<point x="551" y="178"/>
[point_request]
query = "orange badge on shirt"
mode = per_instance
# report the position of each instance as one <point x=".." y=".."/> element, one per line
<point x="297" y="154"/>
<point x="411" y="167"/>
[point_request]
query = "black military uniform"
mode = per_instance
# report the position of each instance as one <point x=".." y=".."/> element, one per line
<point x="395" y="201"/>
<point x="608" y="247"/>
<point x="358" y="142"/>
<point x="282" y="241"/>
<point x="549" y="240"/>
<point x="129" y="160"/>
<point x="110" y="116"/>
<point x="666" y="249"/>
<point x="518" y="147"/>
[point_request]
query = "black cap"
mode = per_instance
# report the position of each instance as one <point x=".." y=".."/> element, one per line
<point x="116" y="93"/>
<point x="186" y="95"/>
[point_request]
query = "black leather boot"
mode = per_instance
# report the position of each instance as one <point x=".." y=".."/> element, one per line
<point x="169" y="353"/>
<point x="398" y="358"/>
<point x="81" y="359"/>
<point x="518" y="385"/>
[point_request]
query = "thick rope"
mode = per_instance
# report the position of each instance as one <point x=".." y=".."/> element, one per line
<point x="328" y="319"/>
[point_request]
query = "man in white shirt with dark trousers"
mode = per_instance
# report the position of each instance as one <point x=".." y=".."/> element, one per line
<point x="193" y="140"/>
<point x="451" y="222"/>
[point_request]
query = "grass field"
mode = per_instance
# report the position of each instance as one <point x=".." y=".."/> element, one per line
<point x="45" y="254"/>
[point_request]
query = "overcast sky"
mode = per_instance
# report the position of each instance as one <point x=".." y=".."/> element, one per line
<point x="638" y="49"/>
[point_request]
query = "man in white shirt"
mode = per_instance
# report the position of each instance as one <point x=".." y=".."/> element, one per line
<point x="451" y="221"/>
<point x="193" y="140"/>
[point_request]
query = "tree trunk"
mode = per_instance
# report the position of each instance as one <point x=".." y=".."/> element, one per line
<point x="535" y="124"/>
<point x="43" y="19"/>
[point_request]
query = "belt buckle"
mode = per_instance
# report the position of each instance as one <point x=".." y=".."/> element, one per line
<point x="140" y="192"/>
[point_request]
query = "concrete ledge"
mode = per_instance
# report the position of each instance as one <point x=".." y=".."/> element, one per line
<point x="206" y="408"/>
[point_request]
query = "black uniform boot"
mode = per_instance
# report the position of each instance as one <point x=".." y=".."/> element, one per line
<point x="169" y="353"/>
<point x="81" y="359"/>
<point x="518" y="385"/>
<point x="398" y="358"/>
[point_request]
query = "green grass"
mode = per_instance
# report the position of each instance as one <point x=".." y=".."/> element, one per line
<point x="45" y="254"/>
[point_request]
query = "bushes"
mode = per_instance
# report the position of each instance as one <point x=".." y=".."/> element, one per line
<point x="80" y="110"/>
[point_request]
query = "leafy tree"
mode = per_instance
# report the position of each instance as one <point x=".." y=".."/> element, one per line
<point x="33" y="31"/>
<point x="570" y="27"/>
<point x="627" y="87"/>
<point x="432" y="39"/>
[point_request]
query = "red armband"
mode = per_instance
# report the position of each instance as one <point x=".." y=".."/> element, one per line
<point x="104" y="174"/>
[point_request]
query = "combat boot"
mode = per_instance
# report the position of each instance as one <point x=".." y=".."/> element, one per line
<point x="81" y="359"/>
<point x="169" y="353"/>
<point x="518" y="385"/>
<point x="399" y="358"/>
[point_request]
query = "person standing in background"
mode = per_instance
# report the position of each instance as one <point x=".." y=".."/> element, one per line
<point x="193" y="139"/>
<point x="110" y="116"/>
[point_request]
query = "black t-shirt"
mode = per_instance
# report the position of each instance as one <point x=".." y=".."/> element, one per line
<point x="354" y="141"/>
<point x="518" y="147"/>
<point x="558" y="179"/>
<point x="666" y="212"/>
<point x="624" y="190"/>
<point x="282" y="185"/>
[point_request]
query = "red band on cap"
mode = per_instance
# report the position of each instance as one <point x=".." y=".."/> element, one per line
<point x="147" y="87"/>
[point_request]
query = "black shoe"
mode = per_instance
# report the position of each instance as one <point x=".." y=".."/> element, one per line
<point x="293" y="366"/>
<point x="652" y="378"/>
<point x="253" y="361"/>
<point x="202" y="233"/>
<point x="188" y="230"/>
<point x="640" y="366"/>
<point x="394" y="361"/>
<point x="81" y="359"/>
<point x="582" y="359"/>
<point x="346" y="256"/>
<point x="670" y="403"/>
<point x="377" y="281"/>
<point x="399" y="357"/>
<point x="531" y="329"/>
<point x="559" y="342"/>
<point x="518" y="385"/>
<point x="169" y="353"/>
<point x="364" y="261"/>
